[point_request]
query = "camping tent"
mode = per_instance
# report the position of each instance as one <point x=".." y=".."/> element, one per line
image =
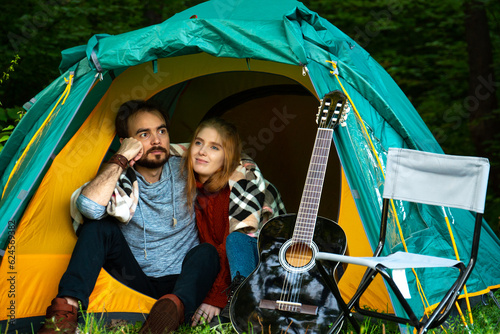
<point x="263" y="65"/>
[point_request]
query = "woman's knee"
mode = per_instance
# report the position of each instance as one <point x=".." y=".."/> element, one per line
<point x="236" y="238"/>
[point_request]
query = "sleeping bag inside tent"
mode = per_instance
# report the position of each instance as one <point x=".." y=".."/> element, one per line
<point x="265" y="75"/>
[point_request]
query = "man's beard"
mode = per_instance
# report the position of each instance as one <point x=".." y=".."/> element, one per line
<point x="155" y="161"/>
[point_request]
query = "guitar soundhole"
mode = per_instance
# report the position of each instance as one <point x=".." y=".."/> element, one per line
<point x="299" y="255"/>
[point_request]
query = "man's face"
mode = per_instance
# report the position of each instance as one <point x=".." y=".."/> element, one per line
<point x="150" y="129"/>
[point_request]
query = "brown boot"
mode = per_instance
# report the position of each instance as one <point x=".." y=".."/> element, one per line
<point x="165" y="316"/>
<point x="61" y="318"/>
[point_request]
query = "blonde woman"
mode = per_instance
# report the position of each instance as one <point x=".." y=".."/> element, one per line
<point x="230" y="205"/>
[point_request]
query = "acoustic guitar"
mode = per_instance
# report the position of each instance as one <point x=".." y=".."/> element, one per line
<point x="286" y="293"/>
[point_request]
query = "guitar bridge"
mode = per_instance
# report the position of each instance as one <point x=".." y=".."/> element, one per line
<point x="288" y="306"/>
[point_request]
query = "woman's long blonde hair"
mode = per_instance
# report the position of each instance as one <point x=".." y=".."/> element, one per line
<point x="232" y="154"/>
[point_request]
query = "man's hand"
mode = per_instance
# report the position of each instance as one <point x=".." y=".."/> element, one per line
<point x="131" y="149"/>
<point x="101" y="188"/>
<point x="204" y="313"/>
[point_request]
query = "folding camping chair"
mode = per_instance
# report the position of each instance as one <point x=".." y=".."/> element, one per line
<point x="427" y="178"/>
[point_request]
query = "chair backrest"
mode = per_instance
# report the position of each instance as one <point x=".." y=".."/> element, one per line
<point x="436" y="179"/>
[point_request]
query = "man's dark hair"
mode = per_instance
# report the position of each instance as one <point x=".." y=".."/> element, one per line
<point x="131" y="107"/>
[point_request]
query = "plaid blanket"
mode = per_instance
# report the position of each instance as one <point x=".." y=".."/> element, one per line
<point x="253" y="200"/>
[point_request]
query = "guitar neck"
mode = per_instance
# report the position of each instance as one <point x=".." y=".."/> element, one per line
<point x="311" y="195"/>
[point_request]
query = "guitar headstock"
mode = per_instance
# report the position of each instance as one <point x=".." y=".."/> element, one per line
<point x="332" y="107"/>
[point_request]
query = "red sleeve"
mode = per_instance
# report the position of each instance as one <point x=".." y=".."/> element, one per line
<point x="212" y="219"/>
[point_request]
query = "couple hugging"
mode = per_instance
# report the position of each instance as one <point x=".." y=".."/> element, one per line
<point x="177" y="223"/>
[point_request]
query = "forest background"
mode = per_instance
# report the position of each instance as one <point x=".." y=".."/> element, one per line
<point x="445" y="56"/>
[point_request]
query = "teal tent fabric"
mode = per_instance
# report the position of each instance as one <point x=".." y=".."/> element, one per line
<point x="280" y="31"/>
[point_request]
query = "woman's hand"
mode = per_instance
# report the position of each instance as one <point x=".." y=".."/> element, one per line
<point x="204" y="313"/>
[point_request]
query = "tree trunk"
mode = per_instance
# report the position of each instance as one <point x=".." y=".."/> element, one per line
<point x="482" y="100"/>
<point x="153" y="12"/>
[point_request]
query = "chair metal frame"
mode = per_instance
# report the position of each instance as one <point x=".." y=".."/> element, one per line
<point x="378" y="264"/>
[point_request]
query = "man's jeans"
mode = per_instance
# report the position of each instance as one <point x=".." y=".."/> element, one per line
<point x="101" y="244"/>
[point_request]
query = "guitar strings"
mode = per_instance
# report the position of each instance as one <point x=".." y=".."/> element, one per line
<point x="313" y="189"/>
<point x="292" y="284"/>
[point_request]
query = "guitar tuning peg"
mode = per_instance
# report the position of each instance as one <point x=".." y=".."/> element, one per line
<point x="320" y="105"/>
<point x="345" y="113"/>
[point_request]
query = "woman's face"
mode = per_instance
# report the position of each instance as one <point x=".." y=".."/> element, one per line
<point x="207" y="153"/>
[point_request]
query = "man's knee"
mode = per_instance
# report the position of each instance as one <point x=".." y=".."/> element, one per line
<point x="203" y="254"/>
<point x="104" y="227"/>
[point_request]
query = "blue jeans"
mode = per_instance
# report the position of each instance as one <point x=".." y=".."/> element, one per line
<point x="242" y="253"/>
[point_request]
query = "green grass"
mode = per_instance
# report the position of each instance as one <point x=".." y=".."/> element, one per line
<point x="96" y="325"/>
<point x="486" y="321"/>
